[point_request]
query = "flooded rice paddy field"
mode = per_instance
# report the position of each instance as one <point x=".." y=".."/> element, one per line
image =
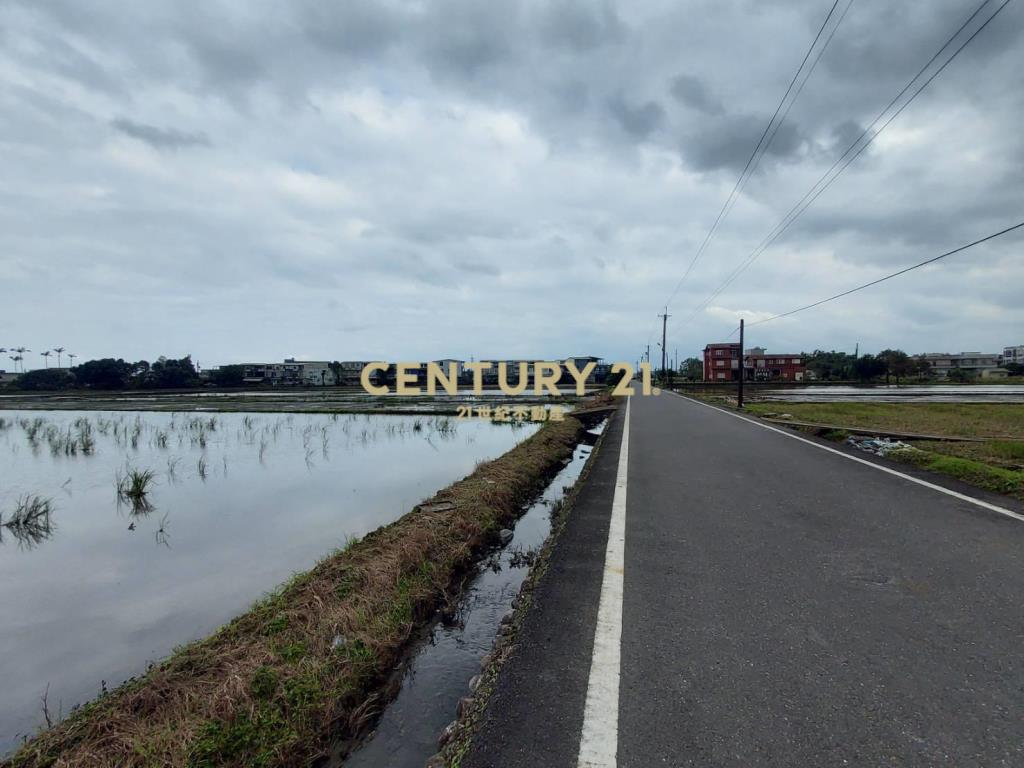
<point x="272" y="401"/>
<point x="98" y="580"/>
<point x="973" y="393"/>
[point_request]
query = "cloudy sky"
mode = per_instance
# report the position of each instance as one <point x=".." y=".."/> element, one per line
<point x="381" y="179"/>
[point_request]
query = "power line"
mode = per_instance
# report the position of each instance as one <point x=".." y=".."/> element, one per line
<point x="889" y="276"/>
<point x="847" y="158"/>
<point x="764" y="141"/>
<point x="762" y="145"/>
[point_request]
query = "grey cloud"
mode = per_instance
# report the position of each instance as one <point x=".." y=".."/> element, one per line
<point x="639" y="121"/>
<point x="530" y="175"/>
<point x="160" y="138"/>
<point x="691" y="92"/>
<point x="845" y="134"/>
<point x="581" y="26"/>
<point x="727" y="142"/>
<point x="356" y="28"/>
<point x="476" y="268"/>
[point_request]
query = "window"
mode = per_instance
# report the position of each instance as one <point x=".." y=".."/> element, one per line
<point x="720" y="363"/>
<point x="796" y="361"/>
<point x="720" y="375"/>
<point x="718" y="353"/>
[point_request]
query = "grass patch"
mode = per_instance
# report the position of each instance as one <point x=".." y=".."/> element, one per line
<point x="835" y="435"/>
<point x="977" y="473"/>
<point x="276" y="685"/>
<point x="947" y="419"/>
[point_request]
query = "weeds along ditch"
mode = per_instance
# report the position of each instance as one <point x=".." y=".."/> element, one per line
<point x="125" y="534"/>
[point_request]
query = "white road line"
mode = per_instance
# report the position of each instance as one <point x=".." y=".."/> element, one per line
<point x="873" y="465"/>
<point x="599" y="741"/>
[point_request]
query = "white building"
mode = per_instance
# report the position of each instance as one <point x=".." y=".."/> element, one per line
<point x="310" y="373"/>
<point x="1013" y="355"/>
<point x="351" y="371"/>
<point x="975" y="364"/>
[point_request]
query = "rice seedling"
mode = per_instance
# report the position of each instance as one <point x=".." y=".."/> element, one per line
<point x="172" y="468"/>
<point x="86" y="441"/>
<point x="133" y="488"/>
<point x="201" y="468"/>
<point x="31" y="522"/>
<point x="162" y="537"/>
<point x="32" y="428"/>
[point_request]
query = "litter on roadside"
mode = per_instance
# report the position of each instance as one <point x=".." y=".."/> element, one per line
<point x="880" y="446"/>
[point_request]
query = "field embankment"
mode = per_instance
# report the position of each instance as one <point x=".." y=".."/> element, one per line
<point x="306" y="664"/>
<point x="995" y="464"/>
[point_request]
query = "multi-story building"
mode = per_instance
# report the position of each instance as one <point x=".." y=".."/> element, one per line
<point x="311" y="373"/>
<point x="758" y="365"/>
<point x="1013" y="355"/>
<point x="974" y="364"/>
<point x="722" y="362"/>
<point x="350" y="371"/>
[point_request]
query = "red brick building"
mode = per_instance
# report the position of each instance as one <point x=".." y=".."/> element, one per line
<point x="761" y="366"/>
<point x="722" y="363"/>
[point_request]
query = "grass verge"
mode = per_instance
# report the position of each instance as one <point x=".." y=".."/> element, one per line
<point x="971" y="471"/>
<point x="951" y="419"/>
<point x="304" y="665"/>
<point x="995" y="465"/>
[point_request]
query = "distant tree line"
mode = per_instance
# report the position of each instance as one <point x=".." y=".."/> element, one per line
<point x="111" y="373"/>
<point x="888" y="364"/>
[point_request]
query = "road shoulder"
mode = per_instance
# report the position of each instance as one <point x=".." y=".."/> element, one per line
<point x="534" y="714"/>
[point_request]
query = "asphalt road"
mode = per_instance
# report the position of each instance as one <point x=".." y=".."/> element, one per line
<point x="783" y="606"/>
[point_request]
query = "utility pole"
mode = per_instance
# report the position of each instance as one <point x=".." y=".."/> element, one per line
<point x="739" y="397"/>
<point x="647" y="355"/>
<point x="664" y="326"/>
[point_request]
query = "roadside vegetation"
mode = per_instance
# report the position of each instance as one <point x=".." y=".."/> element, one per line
<point x="305" y="666"/>
<point x="995" y="465"/>
<point x="940" y="457"/>
<point x="946" y="419"/>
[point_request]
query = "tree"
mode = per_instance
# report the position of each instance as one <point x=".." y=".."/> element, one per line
<point x="45" y="354"/>
<point x="896" y="362"/>
<point x="692" y="369"/>
<point x="45" y="378"/>
<point x="229" y="376"/>
<point x="867" y="367"/>
<point x="168" y="374"/>
<point x="105" y="373"/>
<point x="1015" y="369"/>
<point x="336" y="370"/>
<point x="829" y="366"/>
<point x="960" y="376"/>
